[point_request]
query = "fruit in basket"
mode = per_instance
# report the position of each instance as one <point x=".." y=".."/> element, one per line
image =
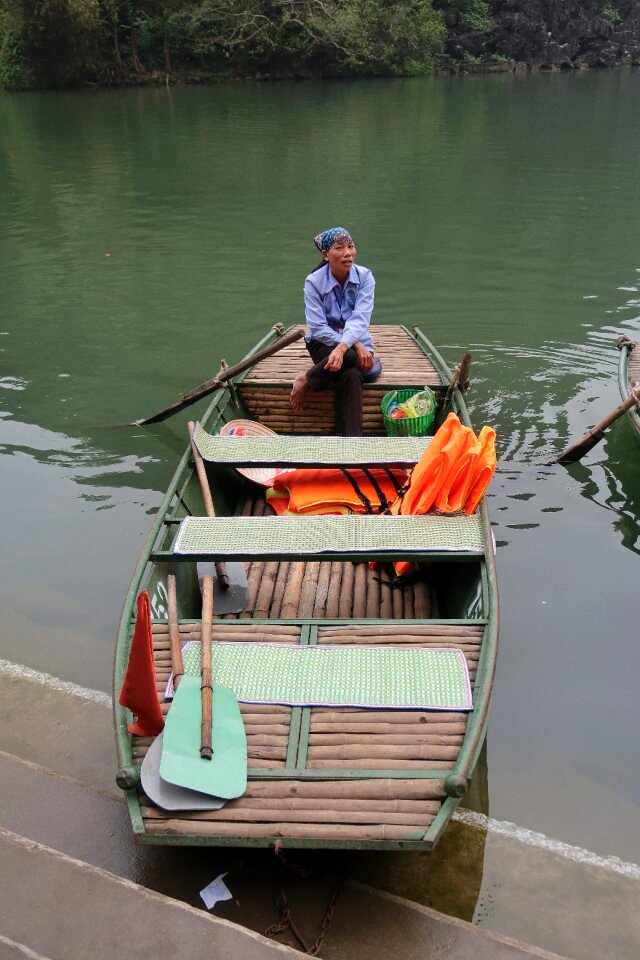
<point x="420" y="404"/>
<point x="397" y="414"/>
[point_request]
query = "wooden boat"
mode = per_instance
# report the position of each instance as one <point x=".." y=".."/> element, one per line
<point x="324" y="776"/>
<point x="629" y="373"/>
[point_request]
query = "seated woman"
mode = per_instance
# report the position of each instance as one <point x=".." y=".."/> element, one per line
<point x="338" y="301"/>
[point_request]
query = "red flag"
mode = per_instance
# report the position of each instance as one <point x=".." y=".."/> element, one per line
<point x="139" y="686"/>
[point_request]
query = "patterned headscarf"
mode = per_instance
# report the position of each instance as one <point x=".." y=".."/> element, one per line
<point x="325" y="240"/>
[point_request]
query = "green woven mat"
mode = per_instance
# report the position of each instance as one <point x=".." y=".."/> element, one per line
<point x="306" y="451"/>
<point x="305" y="536"/>
<point x="381" y="677"/>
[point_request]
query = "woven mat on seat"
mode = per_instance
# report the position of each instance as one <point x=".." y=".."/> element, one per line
<point x="308" y="536"/>
<point x="305" y="451"/>
<point x="379" y="677"/>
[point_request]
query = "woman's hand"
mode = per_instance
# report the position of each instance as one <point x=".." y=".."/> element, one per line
<point x="365" y="357"/>
<point x="335" y="358"/>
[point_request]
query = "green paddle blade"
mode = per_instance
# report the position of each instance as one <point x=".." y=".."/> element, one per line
<point x="225" y="775"/>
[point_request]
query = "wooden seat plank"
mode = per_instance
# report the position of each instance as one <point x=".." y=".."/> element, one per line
<point x="331" y="538"/>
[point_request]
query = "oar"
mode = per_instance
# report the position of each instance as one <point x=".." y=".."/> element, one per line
<point x="577" y="450"/>
<point x="174" y="631"/>
<point x="460" y="379"/>
<point x="225" y="374"/>
<point x="206" y="745"/>
<point x="199" y="710"/>
<point x="233" y="593"/>
<point x="221" y="568"/>
<point x="167" y="795"/>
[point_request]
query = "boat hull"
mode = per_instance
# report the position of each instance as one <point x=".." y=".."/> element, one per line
<point x="628" y="373"/>
<point x="322" y="777"/>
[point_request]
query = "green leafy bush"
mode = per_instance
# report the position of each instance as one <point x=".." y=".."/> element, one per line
<point x="16" y="72"/>
<point x="611" y="13"/>
<point x="475" y="15"/>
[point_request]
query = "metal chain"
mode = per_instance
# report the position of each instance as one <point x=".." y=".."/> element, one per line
<point x="327" y="920"/>
<point x="286" y="922"/>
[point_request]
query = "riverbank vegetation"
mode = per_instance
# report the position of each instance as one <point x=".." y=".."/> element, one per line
<point x="49" y="43"/>
<point x="62" y="42"/>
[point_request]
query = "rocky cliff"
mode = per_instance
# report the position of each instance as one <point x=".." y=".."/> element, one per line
<point x="546" y="34"/>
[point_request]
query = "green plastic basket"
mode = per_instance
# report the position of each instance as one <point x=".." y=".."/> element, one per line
<point x="408" y="426"/>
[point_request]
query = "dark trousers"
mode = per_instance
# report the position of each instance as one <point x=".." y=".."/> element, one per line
<point x="348" y="380"/>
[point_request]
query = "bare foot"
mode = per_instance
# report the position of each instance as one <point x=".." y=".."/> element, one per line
<point x="299" y="391"/>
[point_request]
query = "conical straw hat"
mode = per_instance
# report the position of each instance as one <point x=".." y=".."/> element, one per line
<point x="250" y="428"/>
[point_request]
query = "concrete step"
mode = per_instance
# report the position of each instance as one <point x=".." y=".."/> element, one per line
<point x="57" y="788"/>
<point x="63" y="909"/>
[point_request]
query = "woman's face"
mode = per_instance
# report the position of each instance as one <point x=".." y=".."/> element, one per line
<point x="340" y="257"/>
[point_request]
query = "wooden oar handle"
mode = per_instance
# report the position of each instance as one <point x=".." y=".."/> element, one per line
<point x="174" y="631"/>
<point x="206" y="745"/>
<point x="460" y="379"/>
<point x="210" y="385"/>
<point x="577" y="450"/>
<point x="221" y="569"/>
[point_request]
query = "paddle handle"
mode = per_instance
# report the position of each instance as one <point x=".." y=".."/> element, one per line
<point x="210" y="385"/>
<point x="221" y="567"/>
<point x="460" y="379"/>
<point x="174" y="631"/>
<point x="206" y="746"/>
<point x="577" y="450"/>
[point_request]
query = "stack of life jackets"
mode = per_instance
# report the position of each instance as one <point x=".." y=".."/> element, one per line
<point x="451" y="475"/>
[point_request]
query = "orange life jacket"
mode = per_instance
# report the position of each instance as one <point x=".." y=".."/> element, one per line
<point x="326" y="491"/>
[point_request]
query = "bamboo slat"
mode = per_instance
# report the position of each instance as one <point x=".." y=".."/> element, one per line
<point x="293" y="590"/>
<point x="346" y="592"/>
<point x="379" y="763"/>
<point x="359" y="715"/>
<point x="265" y="589"/>
<point x="360" y="590"/>
<point x="278" y="591"/>
<point x="245" y="815"/>
<point x="312" y="831"/>
<point x="407" y="737"/>
<point x="397" y="602"/>
<point x="333" y="590"/>
<point x="416" y="630"/>
<point x="322" y="592"/>
<point x="309" y="589"/>
<point x="375" y="751"/>
<point x="378" y="789"/>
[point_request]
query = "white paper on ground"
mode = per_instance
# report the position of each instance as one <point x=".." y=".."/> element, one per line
<point x="215" y="891"/>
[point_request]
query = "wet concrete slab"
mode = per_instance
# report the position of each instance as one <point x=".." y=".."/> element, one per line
<point x="63" y="908"/>
<point x="66" y="733"/>
<point x="56" y="788"/>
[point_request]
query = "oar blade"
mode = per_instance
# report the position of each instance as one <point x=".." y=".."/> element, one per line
<point x="225" y="775"/>
<point x="167" y="795"/>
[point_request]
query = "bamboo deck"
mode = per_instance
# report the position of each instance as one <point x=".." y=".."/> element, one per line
<point x="370" y="808"/>
<point x="265" y="390"/>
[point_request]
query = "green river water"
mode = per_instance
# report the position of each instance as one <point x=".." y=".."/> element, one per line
<point x="145" y="234"/>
